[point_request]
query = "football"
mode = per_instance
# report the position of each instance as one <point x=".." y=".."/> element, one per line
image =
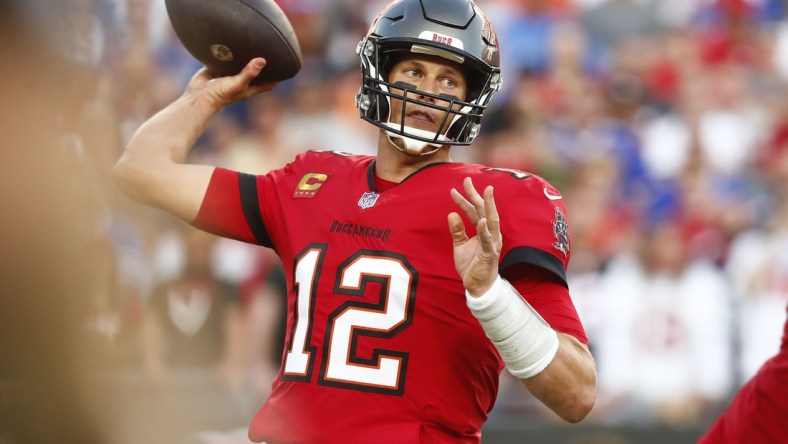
<point x="225" y="34"/>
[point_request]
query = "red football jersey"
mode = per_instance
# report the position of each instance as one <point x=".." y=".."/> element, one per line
<point x="758" y="413"/>
<point x="381" y="346"/>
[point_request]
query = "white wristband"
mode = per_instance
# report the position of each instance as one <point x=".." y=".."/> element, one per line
<point x="524" y="340"/>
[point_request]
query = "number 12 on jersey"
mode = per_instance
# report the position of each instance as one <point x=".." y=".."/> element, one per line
<point x="384" y="371"/>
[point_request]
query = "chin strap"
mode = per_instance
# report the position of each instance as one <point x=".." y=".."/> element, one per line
<point x="413" y="146"/>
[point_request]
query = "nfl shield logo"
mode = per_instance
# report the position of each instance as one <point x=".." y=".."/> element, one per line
<point x="368" y="200"/>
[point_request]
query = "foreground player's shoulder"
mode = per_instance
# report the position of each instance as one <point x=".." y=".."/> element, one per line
<point x="512" y="182"/>
<point x="524" y="196"/>
<point x="533" y="217"/>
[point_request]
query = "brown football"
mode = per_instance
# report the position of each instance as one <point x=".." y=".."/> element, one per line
<point x="225" y="34"/>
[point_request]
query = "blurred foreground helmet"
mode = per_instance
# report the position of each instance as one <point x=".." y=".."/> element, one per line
<point x="456" y="30"/>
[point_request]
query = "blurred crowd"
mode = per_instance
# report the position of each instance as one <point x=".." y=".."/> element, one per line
<point x="664" y="123"/>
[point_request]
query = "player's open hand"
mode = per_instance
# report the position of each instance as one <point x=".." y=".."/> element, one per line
<point x="223" y="91"/>
<point x="476" y="258"/>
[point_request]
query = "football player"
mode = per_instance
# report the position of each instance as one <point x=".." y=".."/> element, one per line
<point x="414" y="280"/>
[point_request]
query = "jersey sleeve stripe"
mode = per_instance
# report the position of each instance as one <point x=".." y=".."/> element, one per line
<point x="251" y="206"/>
<point x="534" y="256"/>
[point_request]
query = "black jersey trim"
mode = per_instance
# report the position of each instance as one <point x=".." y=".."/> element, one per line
<point x="251" y="206"/>
<point x="534" y="256"/>
<point x="371" y="176"/>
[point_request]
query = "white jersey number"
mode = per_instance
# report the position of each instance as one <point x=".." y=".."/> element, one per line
<point x="384" y="371"/>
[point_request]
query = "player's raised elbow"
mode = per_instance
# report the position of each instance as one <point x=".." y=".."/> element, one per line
<point x="123" y="174"/>
<point x="132" y="176"/>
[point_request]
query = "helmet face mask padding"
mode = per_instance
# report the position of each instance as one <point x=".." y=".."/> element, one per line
<point x="455" y="30"/>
